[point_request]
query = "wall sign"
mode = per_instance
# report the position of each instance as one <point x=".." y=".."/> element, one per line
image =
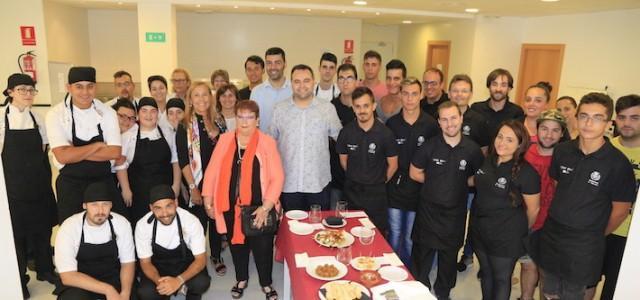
<point x="28" y="35"/>
<point x="348" y="46"/>
<point x="155" y="37"/>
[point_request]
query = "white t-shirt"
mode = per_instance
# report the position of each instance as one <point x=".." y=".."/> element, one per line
<point x="328" y="94"/>
<point x="19" y="120"/>
<point x="59" y="123"/>
<point x="69" y="234"/>
<point x="130" y="137"/>
<point x="231" y="123"/>
<point x="167" y="236"/>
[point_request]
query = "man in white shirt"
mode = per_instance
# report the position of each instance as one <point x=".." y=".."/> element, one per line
<point x="274" y="90"/>
<point x="171" y="247"/>
<point x="95" y="251"/>
<point x="326" y="89"/>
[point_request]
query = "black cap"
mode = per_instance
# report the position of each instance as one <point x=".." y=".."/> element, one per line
<point x="161" y="192"/>
<point x="175" y="102"/>
<point x="77" y="74"/>
<point x="98" y="191"/>
<point x="144" y="101"/>
<point x="17" y="79"/>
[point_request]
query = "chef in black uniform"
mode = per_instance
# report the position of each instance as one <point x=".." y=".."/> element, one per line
<point x="170" y="243"/>
<point x="151" y="159"/>
<point x="595" y="188"/>
<point x="94" y="250"/>
<point x="506" y="206"/>
<point x="84" y="136"/>
<point x="369" y="156"/>
<point x="27" y="177"/>
<point x="445" y="165"/>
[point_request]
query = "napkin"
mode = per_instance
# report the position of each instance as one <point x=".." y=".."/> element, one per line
<point x="366" y="223"/>
<point x="410" y="290"/>
<point x="315" y="226"/>
<point x="354" y="214"/>
<point x="392" y="259"/>
<point x="302" y="259"/>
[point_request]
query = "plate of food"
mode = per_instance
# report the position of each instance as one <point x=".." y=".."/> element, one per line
<point x="343" y="290"/>
<point x="297" y="214"/>
<point x="333" y="238"/>
<point x="358" y="231"/>
<point x="370" y="278"/>
<point x="326" y="269"/>
<point x="364" y="263"/>
<point x="334" y="222"/>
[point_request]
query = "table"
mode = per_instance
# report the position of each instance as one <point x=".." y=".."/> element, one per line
<point x="297" y="283"/>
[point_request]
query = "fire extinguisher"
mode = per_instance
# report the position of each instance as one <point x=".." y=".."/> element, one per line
<point x="27" y="64"/>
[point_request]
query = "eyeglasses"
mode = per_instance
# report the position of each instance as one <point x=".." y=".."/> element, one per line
<point x="430" y="83"/>
<point x="126" y="118"/>
<point x="348" y="79"/>
<point x="125" y="84"/>
<point x="25" y="91"/>
<point x="582" y="117"/>
<point x="246" y="117"/>
<point x="178" y="80"/>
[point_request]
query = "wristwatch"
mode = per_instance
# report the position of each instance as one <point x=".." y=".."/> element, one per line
<point x="192" y="186"/>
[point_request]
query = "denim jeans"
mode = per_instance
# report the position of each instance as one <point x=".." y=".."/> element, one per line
<point x="400" y="226"/>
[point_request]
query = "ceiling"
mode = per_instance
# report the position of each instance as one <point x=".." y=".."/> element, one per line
<point x="381" y="12"/>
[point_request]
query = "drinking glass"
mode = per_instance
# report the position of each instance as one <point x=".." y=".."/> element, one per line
<point x="315" y="215"/>
<point x="341" y="208"/>
<point x="344" y="255"/>
<point x="366" y="236"/>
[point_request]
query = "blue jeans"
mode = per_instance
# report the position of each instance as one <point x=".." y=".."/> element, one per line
<point x="400" y="226"/>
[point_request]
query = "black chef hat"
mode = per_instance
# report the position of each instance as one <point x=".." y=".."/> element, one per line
<point x="175" y="102"/>
<point x="161" y="192"/>
<point x="17" y="79"/>
<point x="144" y="101"/>
<point x="98" y="191"/>
<point x="77" y="74"/>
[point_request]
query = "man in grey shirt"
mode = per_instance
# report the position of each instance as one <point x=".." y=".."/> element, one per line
<point x="302" y="126"/>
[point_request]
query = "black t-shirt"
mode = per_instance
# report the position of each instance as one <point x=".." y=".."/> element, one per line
<point x="474" y="126"/>
<point x="367" y="152"/>
<point x="587" y="184"/>
<point x="206" y="146"/>
<point x="402" y="190"/>
<point x="432" y="109"/>
<point x="498" y="218"/>
<point x="443" y="197"/>
<point x="494" y="118"/>
<point x="244" y="94"/>
<point x="346" y="115"/>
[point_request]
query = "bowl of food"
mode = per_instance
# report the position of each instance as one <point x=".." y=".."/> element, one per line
<point x="326" y="269"/>
<point x="370" y="278"/>
<point x="333" y="238"/>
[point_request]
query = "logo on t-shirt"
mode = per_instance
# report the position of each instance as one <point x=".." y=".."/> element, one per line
<point x="463" y="165"/>
<point x="372" y="148"/>
<point x="420" y="141"/>
<point x="566" y="170"/>
<point x="502" y="183"/>
<point x="400" y="141"/>
<point x="466" y="129"/>
<point x="352" y="147"/>
<point x="439" y="161"/>
<point x="594" y="178"/>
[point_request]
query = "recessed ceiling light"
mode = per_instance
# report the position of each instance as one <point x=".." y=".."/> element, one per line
<point x="549" y="0"/>
<point x="272" y="8"/>
<point x="343" y="11"/>
<point x="472" y="10"/>
<point x="198" y="5"/>
<point x="235" y="6"/>
<point x="406" y="22"/>
<point x="120" y="3"/>
<point x="359" y="2"/>
<point x="308" y="9"/>
<point x="377" y="13"/>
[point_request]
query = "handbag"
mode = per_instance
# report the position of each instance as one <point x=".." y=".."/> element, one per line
<point x="249" y="229"/>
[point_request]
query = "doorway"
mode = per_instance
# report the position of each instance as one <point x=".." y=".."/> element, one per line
<point x="438" y="53"/>
<point x="540" y="62"/>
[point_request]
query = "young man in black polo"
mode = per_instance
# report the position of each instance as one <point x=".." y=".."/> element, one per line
<point x="594" y="191"/>
<point x="254" y="69"/>
<point x="369" y="157"/>
<point x="443" y="166"/>
<point x="433" y="83"/>
<point x="498" y="108"/>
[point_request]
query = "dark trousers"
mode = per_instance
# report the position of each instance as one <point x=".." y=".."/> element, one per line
<point x="215" y="239"/>
<point x="303" y="201"/>
<point x="557" y="286"/>
<point x="196" y="286"/>
<point x="611" y="265"/>
<point x="262" y="248"/>
<point x="40" y="244"/>
<point x="372" y="198"/>
<point x="422" y="260"/>
<point x="495" y="274"/>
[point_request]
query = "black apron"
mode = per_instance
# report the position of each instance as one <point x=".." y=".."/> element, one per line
<point x="75" y="177"/>
<point x="170" y="262"/>
<point x="27" y="181"/>
<point x="151" y="165"/>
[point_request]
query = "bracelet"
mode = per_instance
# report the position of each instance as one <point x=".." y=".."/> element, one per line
<point x="181" y="279"/>
<point x="264" y="209"/>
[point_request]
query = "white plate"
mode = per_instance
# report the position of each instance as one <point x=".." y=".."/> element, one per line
<point x="356" y="231"/>
<point x="363" y="289"/>
<point x="301" y="228"/>
<point x="324" y="222"/>
<point x="376" y="264"/>
<point x="348" y="240"/>
<point x="297" y="214"/>
<point x="392" y="273"/>
<point x="313" y="263"/>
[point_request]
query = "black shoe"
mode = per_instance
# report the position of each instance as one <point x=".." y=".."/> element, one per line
<point x="31" y="265"/>
<point x="479" y="275"/>
<point x="50" y="277"/>
<point x="25" y="293"/>
<point x="464" y="261"/>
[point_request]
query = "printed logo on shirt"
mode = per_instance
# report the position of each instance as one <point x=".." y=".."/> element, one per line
<point x="463" y="165"/>
<point x="438" y="161"/>
<point x="566" y="170"/>
<point x="480" y="172"/>
<point x="502" y="183"/>
<point x="466" y="130"/>
<point x="420" y="140"/>
<point x="595" y="178"/>
<point x="401" y="141"/>
<point x="372" y="148"/>
<point x="352" y="147"/>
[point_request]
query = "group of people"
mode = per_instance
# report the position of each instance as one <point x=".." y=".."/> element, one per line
<point x="143" y="181"/>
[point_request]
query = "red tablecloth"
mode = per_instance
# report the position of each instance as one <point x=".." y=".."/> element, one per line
<point x="304" y="286"/>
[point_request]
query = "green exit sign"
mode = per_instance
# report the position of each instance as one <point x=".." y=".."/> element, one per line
<point x="155" y="37"/>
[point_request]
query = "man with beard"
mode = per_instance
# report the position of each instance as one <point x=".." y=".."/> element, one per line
<point x="498" y="108"/>
<point x="275" y="89"/>
<point x="550" y="131"/>
<point x="369" y="157"/>
<point x="302" y="126"/>
<point x="95" y="251"/>
<point x="444" y="166"/>
<point x="124" y="88"/>
<point x="170" y="244"/>
<point x="254" y="69"/>
<point x="433" y="82"/>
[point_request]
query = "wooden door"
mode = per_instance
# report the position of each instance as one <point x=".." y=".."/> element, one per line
<point x="438" y="53"/>
<point x="539" y="62"/>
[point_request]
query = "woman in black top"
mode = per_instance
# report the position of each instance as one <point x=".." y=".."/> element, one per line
<point x="507" y="203"/>
<point x="196" y="138"/>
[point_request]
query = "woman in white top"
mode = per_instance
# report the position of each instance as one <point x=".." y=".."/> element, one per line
<point x="226" y="99"/>
<point x="158" y="90"/>
<point x="151" y="159"/>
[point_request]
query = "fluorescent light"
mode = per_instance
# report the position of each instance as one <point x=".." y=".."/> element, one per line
<point x="549" y="0"/>
<point x="272" y="8"/>
<point x="359" y="2"/>
<point x="308" y="9"/>
<point x="472" y="10"/>
<point x="377" y="13"/>
<point x="406" y="22"/>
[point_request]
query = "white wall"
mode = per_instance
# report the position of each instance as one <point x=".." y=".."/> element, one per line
<point x="67" y="30"/>
<point x="223" y="41"/>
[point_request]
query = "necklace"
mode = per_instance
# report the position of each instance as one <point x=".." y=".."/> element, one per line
<point x="239" y="154"/>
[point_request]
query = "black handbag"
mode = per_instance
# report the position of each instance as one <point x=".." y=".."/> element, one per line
<point x="247" y="217"/>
